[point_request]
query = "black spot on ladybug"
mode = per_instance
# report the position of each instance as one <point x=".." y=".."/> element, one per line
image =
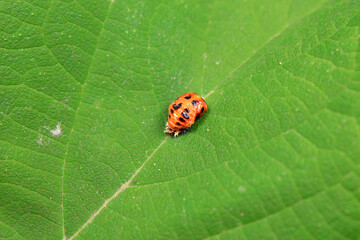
<point x="197" y="117"/>
<point x="186" y="116"/>
<point x="188" y="97"/>
<point x="169" y="116"/>
<point x="178" y="124"/>
<point x="194" y="103"/>
<point x="177" y="106"/>
<point x="181" y="119"/>
<point x="172" y="111"/>
<point x="202" y="109"/>
<point x="187" y="110"/>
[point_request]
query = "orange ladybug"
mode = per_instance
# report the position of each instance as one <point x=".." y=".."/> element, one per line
<point x="186" y="109"/>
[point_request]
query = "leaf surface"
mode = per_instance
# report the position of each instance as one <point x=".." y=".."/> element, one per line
<point x="84" y="91"/>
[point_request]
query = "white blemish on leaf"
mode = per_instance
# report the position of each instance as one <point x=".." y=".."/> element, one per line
<point x="40" y="141"/>
<point x="57" y="131"/>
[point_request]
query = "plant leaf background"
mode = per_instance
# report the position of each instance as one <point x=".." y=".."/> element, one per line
<point x="84" y="91"/>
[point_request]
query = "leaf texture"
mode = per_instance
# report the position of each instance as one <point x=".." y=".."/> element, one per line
<point x="84" y="91"/>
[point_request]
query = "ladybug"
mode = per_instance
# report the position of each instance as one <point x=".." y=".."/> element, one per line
<point x="186" y="109"/>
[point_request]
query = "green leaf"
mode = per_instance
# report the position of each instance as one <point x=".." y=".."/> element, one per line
<point x="84" y="91"/>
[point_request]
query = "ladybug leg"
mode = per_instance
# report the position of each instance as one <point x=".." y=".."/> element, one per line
<point x="184" y="130"/>
<point x="170" y="131"/>
<point x="167" y="129"/>
<point x="174" y="133"/>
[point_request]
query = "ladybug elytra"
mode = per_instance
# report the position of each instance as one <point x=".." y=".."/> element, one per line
<point x="183" y="112"/>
